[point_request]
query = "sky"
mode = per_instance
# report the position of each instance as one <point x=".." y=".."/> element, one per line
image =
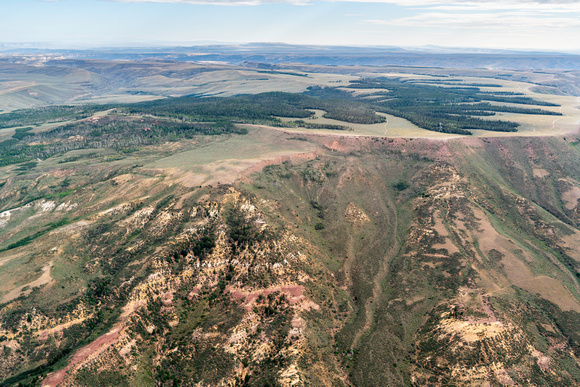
<point x="509" y="24"/>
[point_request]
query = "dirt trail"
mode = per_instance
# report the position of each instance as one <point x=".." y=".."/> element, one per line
<point x="557" y="119"/>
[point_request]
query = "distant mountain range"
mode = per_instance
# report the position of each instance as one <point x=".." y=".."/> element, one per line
<point x="276" y="53"/>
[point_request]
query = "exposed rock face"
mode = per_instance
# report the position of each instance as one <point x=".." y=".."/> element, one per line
<point x="355" y="216"/>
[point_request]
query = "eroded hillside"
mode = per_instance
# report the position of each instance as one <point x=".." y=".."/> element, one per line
<point x="372" y="261"/>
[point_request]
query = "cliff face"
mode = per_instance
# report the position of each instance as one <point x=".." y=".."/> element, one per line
<point x="379" y="262"/>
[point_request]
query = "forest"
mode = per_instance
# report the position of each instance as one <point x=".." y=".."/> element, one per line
<point x="117" y="132"/>
<point x="258" y="108"/>
<point x="448" y="107"/>
<point x="452" y="109"/>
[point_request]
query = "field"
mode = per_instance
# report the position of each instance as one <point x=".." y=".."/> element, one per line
<point x="226" y="160"/>
<point x="23" y="86"/>
<point x="392" y="127"/>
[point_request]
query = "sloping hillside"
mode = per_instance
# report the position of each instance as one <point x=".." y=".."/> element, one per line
<point x="360" y="261"/>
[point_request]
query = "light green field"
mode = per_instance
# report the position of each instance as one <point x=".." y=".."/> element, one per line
<point x="533" y="124"/>
<point x="393" y="127"/>
<point x="234" y="81"/>
<point x="116" y="98"/>
<point x="225" y="158"/>
<point x="24" y="87"/>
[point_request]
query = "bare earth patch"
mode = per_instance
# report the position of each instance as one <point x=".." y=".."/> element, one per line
<point x="355" y="216"/>
<point x="45" y="278"/>
<point x="517" y="271"/>
<point x="571" y="198"/>
<point x="539" y="172"/>
<point x="439" y="227"/>
<point x="293" y="292"/>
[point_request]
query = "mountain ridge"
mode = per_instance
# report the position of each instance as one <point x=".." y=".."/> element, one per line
<point x="320" y="296"/>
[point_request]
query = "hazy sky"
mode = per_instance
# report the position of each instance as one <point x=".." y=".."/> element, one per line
<point x="520" y="24"/>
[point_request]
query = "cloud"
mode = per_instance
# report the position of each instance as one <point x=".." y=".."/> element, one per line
<point x="470" y="2"/>
<point x="512" y="20"/>
<point x="485" y="4"/>
<point x="216" y="2"/>
<point x="491" y="5"/>
<point x="551" y="6"/>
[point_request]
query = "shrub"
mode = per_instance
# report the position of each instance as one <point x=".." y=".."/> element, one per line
<point x="401" y="185"/>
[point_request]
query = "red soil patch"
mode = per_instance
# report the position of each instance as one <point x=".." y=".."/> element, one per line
<point x="167" y="298"/>
<point x="96" y="347"/>
<point x="487" y="310"/>
<point x="43" y="336"/>
<point x="336" y="146"/>
<point x="194" y="292"/>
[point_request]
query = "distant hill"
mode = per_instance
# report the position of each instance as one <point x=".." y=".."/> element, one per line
<point x="430" y="56"/>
